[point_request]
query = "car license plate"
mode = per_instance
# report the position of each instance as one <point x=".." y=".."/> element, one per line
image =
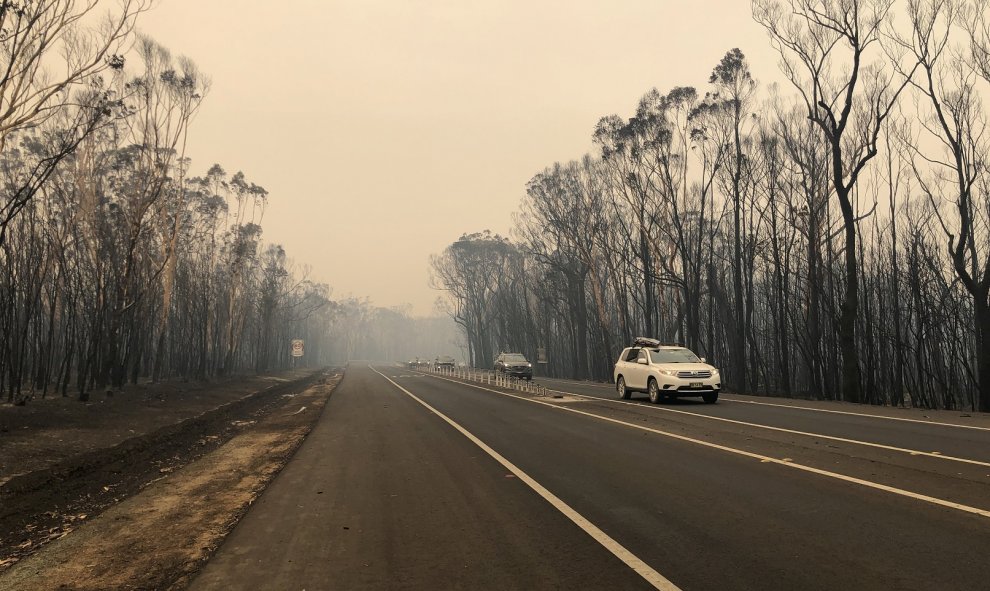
<point x="697" y="385"/>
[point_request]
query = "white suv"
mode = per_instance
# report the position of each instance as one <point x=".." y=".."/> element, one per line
<point x="665" y="372"/>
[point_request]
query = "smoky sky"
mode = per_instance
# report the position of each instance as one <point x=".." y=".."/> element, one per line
<point x="384" y="129"/>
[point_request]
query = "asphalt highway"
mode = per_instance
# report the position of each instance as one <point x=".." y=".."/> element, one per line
<point x="418" y="481"/>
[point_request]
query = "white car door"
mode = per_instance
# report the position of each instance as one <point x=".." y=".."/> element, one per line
<point x="640" y="370"/>
<point x="620" y="365"/>
<point x="626" y="367"/>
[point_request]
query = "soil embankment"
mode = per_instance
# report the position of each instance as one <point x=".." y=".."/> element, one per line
<point x="246" y="428"/>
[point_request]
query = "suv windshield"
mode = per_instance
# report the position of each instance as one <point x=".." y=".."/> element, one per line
<point x="673" y="356"/>
<point x="514" y="359"/>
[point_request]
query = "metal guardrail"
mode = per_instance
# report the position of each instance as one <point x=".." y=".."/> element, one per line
<point x="491" y="378"/>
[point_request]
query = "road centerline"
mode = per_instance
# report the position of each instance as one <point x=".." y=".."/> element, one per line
<point x="860" y="414"/>
<point x="728" y="398"/>
<point x="762" y="458"/>
<point x="648" y="573"/>
<point x="912" y="452"/>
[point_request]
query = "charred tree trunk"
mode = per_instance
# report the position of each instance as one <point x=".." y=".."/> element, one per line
<point x="851" y="376"/>
<point x="981" y="309"/>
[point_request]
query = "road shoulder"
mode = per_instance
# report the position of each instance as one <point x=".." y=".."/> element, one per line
<point x="159" y="537"/>
<point x="385" y="495"/>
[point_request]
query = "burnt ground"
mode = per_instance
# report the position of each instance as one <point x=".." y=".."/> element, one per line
<point x="64" y="462"/>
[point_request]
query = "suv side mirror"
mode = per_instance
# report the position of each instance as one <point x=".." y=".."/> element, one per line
<point x="703" y="360"/>
<point x="642" y="361"/>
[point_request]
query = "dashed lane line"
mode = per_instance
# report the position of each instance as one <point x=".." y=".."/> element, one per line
<point x="787" y="462"/>
<point x="912" y="452"/>
<point x="631" y="560"/>
<point x="810" y="409"/>
<point x="860" y="414"/>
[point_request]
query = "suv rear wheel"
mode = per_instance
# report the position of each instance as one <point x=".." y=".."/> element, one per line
<point x="654" y="391"/>
<point x="620" y="387"/>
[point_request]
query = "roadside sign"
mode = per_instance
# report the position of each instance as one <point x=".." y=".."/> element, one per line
<point x="541" y="355"/>
<point x="297" y="348"/>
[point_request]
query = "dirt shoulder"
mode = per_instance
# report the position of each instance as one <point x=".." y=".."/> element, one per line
<point x="133" y="439"/>
<point x="48" y="431"/>
<point x="158" y="538"/>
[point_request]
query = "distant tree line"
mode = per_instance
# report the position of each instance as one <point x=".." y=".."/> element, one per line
<point x="115" y="263"/>
<point x="831" y="241"/>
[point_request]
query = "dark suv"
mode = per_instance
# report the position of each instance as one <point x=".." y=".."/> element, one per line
<point x="514" y="364"/>
<point x="443" y="363"/>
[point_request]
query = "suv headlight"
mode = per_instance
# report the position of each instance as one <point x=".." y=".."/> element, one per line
<point x="669" y="372"/>
<point x="529" y="365"/>
<point x="714" y="373"/>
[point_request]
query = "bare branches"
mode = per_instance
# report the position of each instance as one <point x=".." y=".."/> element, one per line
<point x="848" y="96"/>
<point x="68" y="102"/>
<point x="826" y="46"/>
<point x="35" y="30"/>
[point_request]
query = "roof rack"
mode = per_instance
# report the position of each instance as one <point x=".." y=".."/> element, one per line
<point x="648" y="343"/>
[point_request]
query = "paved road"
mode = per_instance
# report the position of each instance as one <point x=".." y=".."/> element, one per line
<point x="417" y="482"/>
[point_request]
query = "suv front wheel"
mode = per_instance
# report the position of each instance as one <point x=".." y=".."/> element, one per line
<point x="620" y="387"/>
<point x="654" y="391"/>
<point x="710" y="398"/>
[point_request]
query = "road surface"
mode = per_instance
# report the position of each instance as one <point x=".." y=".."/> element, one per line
<point x="414" y="481"/>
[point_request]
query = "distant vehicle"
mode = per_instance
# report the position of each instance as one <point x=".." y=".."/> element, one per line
<point x="444" y="362"/>
<point x="665" y="372"/>
<point x="514" y="364"/>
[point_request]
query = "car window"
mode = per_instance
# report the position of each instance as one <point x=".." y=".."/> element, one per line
<point x="642" y="355"/>
<point x="515" y="358"/>
<point x="631" y="354"/>
<point x="673" y="356"/>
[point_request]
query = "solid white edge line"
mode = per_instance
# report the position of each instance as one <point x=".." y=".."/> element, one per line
<point x="861" y="414"/>
<point x="762" y="458"/>
<point x="912" y="452"/>
<point x="631" y="560"/>
<point x="795" y="407"/>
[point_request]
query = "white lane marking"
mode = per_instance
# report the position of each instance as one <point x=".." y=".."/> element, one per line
<point x="592" y="384"/>
<point x="913" y="452"/>
<point x="860" y="414"/>
<point x="808" y="408"/>
<point x="631" y="560"/>
<point x="765" y="459"/>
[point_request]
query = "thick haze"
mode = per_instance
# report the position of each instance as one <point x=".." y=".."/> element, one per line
<point x="386" y="129"/>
